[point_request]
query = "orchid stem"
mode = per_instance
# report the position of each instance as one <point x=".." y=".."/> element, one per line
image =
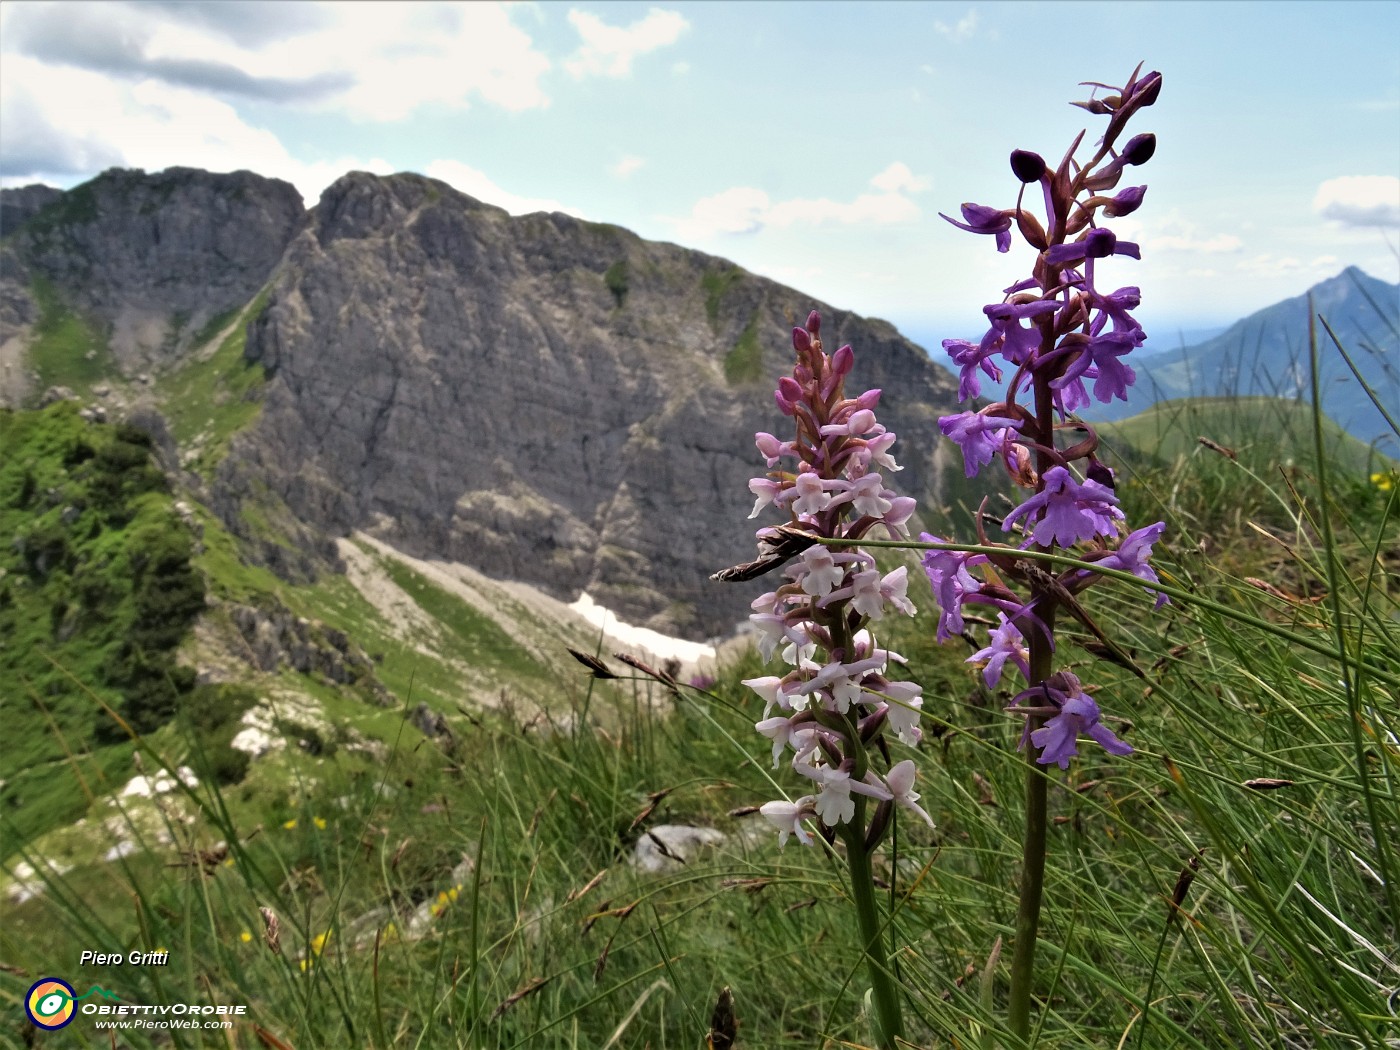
<point x="1028" y="912"/>
<point x="1033" y="845"/>
<point x="884" y="995"/>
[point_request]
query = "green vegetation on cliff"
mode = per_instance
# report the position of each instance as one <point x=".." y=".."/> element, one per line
<point x="96" y="593"/>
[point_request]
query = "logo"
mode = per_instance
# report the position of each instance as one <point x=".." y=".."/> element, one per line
<point x="49" y="1004"/>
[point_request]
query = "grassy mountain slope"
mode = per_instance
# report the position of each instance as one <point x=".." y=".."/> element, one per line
<point x="1261" y="430"/>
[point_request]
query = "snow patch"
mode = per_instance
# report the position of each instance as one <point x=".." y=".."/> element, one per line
<point x="659" y="645"/>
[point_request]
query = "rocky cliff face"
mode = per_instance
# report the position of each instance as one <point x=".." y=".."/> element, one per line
<point x="548" y="400"/>
<point x="22" y="203"/>
<point x="152" y="259"/>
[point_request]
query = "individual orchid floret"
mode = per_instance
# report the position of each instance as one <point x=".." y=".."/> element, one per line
<point x="1124" y="202"/>
<point x="1016" y="343"/>
<point x="770" y="689"/>
<point x="1074" y="714"/>
<point x="981" y="219"/>
<point x="900" y="782"/>
<point x="1100" y="357"/>
<point x="772" y="449"/>
<point x="980" y="436"/>
<point x="905" y="704"/>
<point x="948" y="575"/>
<point x="1005" y="643"/>
<point x="1066" y="511"/>
<point x="1132" y="554"/>
<point x="970" y="357"/>
<point x="897" y="517"/>
<point x="1096" y="244"/>
<point x="822" y="572"/>
<point x="788" y="818"/>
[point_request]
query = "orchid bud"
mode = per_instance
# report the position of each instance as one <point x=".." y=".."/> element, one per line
<point x="869" y="399"/>
<point x="801" y="341"/>
<point x="1125" y="202"/>
<point x="879" y="824"/>
<point x="1027" y="166"/>
<point x="1100" y="473"/>
<point x="1140" y="148"/>
<point x="814" y="323"/>
<point x="1146" y="90"/>
<point x="788" y="394"/>
<point x="843" y="360"/>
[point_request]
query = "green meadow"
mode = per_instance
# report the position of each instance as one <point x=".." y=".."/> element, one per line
<point x="1232" y="883"/>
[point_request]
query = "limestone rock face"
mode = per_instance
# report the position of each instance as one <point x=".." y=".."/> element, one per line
<point x="152" y="258"/>
<point x="546" y="399"/>
<point x="19" y="205"/>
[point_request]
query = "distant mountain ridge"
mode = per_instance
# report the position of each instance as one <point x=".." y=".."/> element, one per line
<point x="1266" y="354"/>
<point x="545" y="399"/>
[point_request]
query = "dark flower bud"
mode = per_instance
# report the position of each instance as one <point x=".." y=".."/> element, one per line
<point x="1027" y="166"/>
<point x="879" y="824"/>
<point x="801" y="341"/>
<point x="1100" y="473"/>
<point x="1140" y="148"/>
<point x="871" y="724"/>
<point x="788" y="395"/>
<point x="814" y="323"/>
<point x="1146" y="90"/>
<point x="1125" y="202"/>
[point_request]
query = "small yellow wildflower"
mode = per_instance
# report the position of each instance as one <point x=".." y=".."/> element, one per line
<point x="289" y="825"/>
<point x="1384" y="482"/>
<point x="318" y="943"/>
<point x="320" y="823"/>
<point x="245" y="936"/>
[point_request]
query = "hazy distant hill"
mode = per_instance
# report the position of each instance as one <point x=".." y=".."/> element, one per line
<point x="1266" y="354"/>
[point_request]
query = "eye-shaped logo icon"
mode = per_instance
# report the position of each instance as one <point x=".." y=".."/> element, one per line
<point x="49" y="1004"/>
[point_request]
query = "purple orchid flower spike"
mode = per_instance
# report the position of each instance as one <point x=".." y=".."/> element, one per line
<point x="1060" y="337"/>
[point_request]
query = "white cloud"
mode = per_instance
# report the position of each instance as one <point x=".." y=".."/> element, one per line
<point x="60" y="122"/>
<point x="1268" y="264"/>
<point x="1217" y="244"/>
<point x="742" y="209"/>
<point x="1173" y="233"/>
<point x="1360" y="200"/>
<point x="477" y="184"/>
<point x="609" y="50"/>
<point x="897" y="178"/>
<point x="374" y="61"/>
<point x="626" y="165"/>
<point x="745" y="209"/>
<point x="963" y="29"/>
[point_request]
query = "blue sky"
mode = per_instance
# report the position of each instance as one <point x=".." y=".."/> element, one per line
<point x="811" y="142"/>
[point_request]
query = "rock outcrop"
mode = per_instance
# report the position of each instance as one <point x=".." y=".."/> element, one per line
<point x="545" y="399"/>
<point x="19" y="205"/>
<point x="549" y="400"/>
<point x="152" y="259"/>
